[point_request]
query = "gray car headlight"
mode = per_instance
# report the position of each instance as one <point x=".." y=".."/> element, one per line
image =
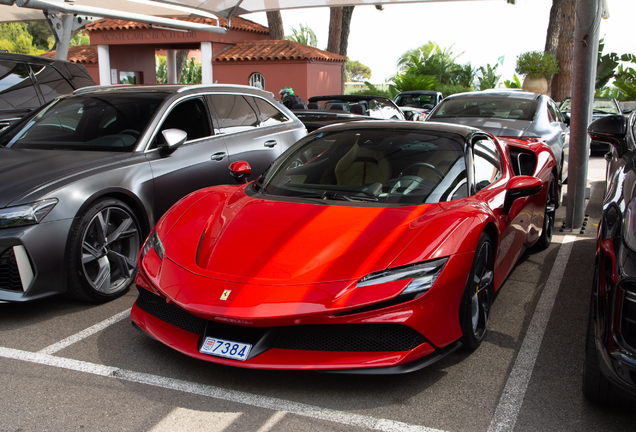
<point x="423" y="275"/>
<point x="27" y="214"/>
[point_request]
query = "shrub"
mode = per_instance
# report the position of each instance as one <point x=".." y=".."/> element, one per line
<point x="537" y="64"/>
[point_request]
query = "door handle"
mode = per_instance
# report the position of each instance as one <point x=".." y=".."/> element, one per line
<point x="218" y="156"/>
<point x="270" y="144"/>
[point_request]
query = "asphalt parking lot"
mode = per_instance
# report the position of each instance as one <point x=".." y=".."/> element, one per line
<point x="68" y="366"/>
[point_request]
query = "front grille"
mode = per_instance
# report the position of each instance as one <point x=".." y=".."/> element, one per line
<point x="328" y="337"/>
<point x="157" y="307"/>
<point x="349" y="337"/>
<point x="9" y="273"/>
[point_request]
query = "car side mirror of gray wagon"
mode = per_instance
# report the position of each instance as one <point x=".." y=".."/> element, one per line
<point x="173" y="139"/>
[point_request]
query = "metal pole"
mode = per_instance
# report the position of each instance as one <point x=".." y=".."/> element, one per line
<point x="586" y="37"/>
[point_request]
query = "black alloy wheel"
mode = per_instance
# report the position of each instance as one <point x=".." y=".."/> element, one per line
<point x="550" y="215"/>
<point x="103" y="252"/>
<point x="478" y="295"/>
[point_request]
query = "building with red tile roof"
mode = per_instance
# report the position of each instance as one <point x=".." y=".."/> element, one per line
<point x="244" y="55"/>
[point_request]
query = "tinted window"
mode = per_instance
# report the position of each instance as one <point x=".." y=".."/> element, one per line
<point x="107" y="122"/>
<point x="16" y="87"/>
<point x="234" y="112"/>
<point x="487" y="163"/>
<point x="267" y="113"/>
<point x="490" y="107"/>
<point x="190" y="116"/>
<point x="52" y="83"/>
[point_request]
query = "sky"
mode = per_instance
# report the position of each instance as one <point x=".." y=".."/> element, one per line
<point x="479" y="32"/>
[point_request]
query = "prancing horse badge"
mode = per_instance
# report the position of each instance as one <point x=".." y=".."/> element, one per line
<point x="225" y="294"/>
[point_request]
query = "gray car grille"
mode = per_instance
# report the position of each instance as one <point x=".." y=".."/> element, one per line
<point x="9" y="274"/>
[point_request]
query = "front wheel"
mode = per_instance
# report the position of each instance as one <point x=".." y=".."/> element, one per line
<point x="103" y="250"/>
<point x="478" y="295"/>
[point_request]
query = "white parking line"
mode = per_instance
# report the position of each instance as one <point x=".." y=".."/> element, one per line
<point x="275" y="404"/>
<point x="509" y="405"/>
<point x="84" y="333"/>
<point x="504" y="418"/>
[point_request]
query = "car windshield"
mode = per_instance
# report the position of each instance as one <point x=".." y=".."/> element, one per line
<point x="491" y="107"/>
<point x="379" y="108"/>
<point x="87" y="122"/>
<point x="415" y="101"/>
<point x="605" y="106"/>
<point x="373" y="166"/>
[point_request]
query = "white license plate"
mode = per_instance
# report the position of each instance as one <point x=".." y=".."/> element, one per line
<point x="225" y="348"/>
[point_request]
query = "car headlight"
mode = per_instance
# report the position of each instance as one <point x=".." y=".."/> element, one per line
<point x="423" y="275"/>
<point x="27" y="214"/>
<point x="153" y="242"/>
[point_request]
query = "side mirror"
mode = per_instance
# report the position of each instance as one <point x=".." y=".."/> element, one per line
<point x="240" y="170"/>
<point x="627" y="110"/>
<point x="567" y="118"/>
<point x="519" y="187"/>
<point x="173" y="139"/>
<point x="612" y="130"/>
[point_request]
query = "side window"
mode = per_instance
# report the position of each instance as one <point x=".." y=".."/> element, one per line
<point x="558" y="113"/>
<point x="268" y="114"/>
<point x="16" y="87"/>
<point x="234" y="113"/>
<point x="52" y="83"/>
<point x="552" y="116"/>
<point x="190" y="116"/>
<point x="487" y="163"/>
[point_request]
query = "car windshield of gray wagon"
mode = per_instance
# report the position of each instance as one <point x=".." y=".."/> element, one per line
<point x="110" y="122"/>
<point x="489" y="107"/>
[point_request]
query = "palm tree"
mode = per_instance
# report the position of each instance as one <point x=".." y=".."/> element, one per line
<point x="304" y="36"/>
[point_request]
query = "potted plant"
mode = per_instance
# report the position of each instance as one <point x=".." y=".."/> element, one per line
<point x="537" y="67"/>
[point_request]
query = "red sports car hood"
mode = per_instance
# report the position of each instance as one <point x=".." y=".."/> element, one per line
<point x="237" y="238"/>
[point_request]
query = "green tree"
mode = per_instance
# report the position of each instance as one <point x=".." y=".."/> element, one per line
<point x="190" y="73"/>
<point x="304" y="35"/>
<point x="488" y="78"/>
<point x="626" y="81"/>
<point x="514" y="83"/>
<point x="356" y="71"/>
<point x="15" y="38"/>
<point x="411" y="80"/>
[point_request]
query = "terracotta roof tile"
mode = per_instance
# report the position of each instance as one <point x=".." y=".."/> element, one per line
<point x="276" y="50"/>
<point x="118" y="24"/>
<point x="84" y="54"/>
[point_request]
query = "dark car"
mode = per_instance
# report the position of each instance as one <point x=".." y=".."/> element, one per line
<point x="416" y="104"/>
<point x="27" y="82"/>
<point x="610" y="353"/>
<point x="517" y="117"/>
<point x="84" y="179"/>
<point x="325" y="110"/>
<point x="601" y="107"/>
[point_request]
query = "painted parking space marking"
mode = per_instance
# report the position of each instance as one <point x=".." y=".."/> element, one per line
<point x="504" y="418"/>
<point x="229" y="395"/>
<point x="512" y="397"/>
<point x="58" y="346"/>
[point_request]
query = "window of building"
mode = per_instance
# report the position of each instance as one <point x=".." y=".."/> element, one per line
<point x="257" y="80"/>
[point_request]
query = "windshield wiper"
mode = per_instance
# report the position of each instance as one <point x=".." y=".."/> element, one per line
<point x="345" y="197"/>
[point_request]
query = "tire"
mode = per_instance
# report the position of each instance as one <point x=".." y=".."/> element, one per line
<point x="478" y="295"/>
<point x="596" y="387"/>
<point x="103" y="250"/>
<point x="550" y="215"/>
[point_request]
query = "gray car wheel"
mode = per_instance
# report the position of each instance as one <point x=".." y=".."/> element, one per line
<point x="104" y="246"/>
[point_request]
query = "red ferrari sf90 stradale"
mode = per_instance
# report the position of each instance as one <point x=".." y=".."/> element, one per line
<point x="374" y="247"/>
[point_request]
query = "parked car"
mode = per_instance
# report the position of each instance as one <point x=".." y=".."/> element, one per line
<point x="416" y="104"/>
<point x="372" y="247"/>
<point x="601" y="107"/>
<point x="27" y="82"/>
<point x="326" y="110"/>
<point x="610" y="352"/>
<point x="516" y="117"/>
<point x="84" y="179"/>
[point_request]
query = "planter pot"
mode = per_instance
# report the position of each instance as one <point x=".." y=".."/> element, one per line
<point x="535" y="85"/>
